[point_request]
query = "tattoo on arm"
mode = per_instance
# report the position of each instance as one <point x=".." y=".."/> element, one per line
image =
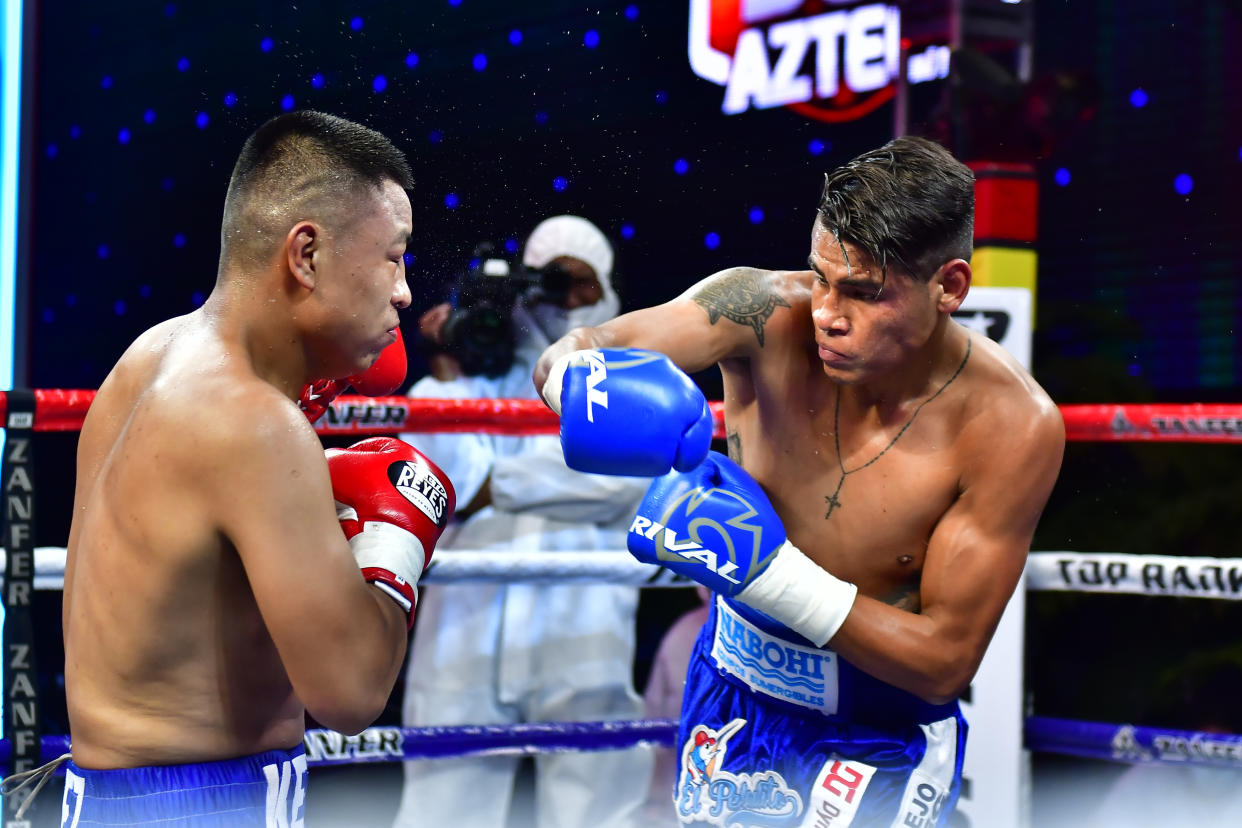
<point x="744" y="297"/>
<point x="906" y="597"/>
<point x="734" y="441"/>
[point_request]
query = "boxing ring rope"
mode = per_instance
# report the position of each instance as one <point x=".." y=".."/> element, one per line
<point x="61" y="410"/>
<point x="1172" y="576"/>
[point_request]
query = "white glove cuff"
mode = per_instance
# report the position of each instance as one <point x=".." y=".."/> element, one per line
<point x="387" y="546"/>
<point x="802" y="595"/>
<point x="551" y="390"/>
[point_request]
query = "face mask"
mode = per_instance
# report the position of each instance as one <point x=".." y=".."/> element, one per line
<point x="553" y="321"/>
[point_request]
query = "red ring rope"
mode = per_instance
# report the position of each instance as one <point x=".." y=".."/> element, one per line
<point x="61" y="410"/>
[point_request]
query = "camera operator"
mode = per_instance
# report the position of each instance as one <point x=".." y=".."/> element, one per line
<point x="496" y="654"/>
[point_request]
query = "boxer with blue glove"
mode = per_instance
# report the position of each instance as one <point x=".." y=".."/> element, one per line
<point x="628" y="412"/>
<point x="895" y="466"/>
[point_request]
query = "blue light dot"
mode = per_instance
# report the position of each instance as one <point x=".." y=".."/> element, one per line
<point x="1183" y="184"/>
<point x="560" y="183"/>
<point x="436" y="136"/>
<point x="661" y="97"/>
<point x="287" y="102"/>
<point x="102" y="251"/>
<point x="627" y="231"/>
<point x="267" y="44"/>
<point x="379" y="84"/>
<point x="197" y="298"/>
<point x="712" y="240"/>
<point x="167" y="184"/>
<point x="454" y="3"/>
<point x="1061" y="177"/>
<point x="631" y="12"/>
<point x="816" y="146"/>
<point x="1138" y="98"/>
<point x="755" y="215"/>
<point x="515" y="37"/>
<point x="149" y="116"/>
<point x="230" y="99"/>
<point x="144" y="291"/>
<point x="122" y="135"/>
<point x="75" y="132"/>
<point x="511" y="245"/>
<point x="52" y="150"/>
<point x="1135" y="369"/>
<point x="411" y="60"/>
<point x="48" y="316"/>
<point x="541" y="117"/>
<point x="201" y="120"/>
<point x="179" y="240"/>
<point x="183" y="64"/>
<point x="590" y="39"/>
<point x="170" y="10"/>
<point x="356" y="24"/>
<point x="317" y="81"/>
<point x="408" y="258"/>
<point x="71" y="300"/>
<point x="106" y="81"/>
<point x="451" y="201"/>
<point x="480" y="62"/>
<point x="681" y="166"/>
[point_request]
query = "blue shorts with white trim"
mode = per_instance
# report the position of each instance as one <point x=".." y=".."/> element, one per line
<point x="780" y="733"/>
<point x="266" y="790"/>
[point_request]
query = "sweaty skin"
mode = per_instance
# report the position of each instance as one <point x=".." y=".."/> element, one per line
<point x="211" y="598"/>
<point x="934" y="532"/>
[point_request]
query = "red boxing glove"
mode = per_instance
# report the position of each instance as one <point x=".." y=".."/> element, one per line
<point x="392" y="503"/>
<point x="384" y="376"/>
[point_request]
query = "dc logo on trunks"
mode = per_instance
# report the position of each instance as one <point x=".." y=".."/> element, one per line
<point x="838" y="792"/>
<point x="422" y="488"/>
<point x="705" y="792"/>
<point x="759" y="51"/>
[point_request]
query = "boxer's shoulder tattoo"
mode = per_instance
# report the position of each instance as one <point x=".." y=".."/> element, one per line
<point x="905" y="597"/>
<point x="742" y="295"/>
<point x="734" y="441"/>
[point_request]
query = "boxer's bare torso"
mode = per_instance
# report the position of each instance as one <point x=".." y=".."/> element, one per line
<point x="901" y="452"/>
<point x="902" y="471"/>
<point x="167" y="657"/>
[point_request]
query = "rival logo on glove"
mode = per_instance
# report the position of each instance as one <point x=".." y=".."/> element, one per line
<point x="667" y="546"/>
<point x="416" y="482"/>
<point x="599" y="373"/>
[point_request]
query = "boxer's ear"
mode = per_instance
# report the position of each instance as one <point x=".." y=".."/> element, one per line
<point x="950" y="284"/>
<point x="301" y="249"/>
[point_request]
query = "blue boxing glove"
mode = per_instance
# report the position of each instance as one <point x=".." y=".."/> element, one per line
<point x="628" y="412"/>
<point x="715" y="525"/>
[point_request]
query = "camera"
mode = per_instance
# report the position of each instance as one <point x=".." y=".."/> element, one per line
<point x="479" y="331"/>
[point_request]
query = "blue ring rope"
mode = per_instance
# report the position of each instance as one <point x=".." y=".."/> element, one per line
<point x="1131" y="744"/>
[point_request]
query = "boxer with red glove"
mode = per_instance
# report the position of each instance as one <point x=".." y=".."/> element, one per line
<point x="384" y="376"/>
<point x="392" y="503"/>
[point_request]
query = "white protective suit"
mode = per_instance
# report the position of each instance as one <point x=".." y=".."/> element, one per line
<point x="503" y="654"/>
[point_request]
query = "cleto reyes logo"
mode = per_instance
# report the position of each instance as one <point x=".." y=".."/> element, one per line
<point x="416" y="482"/>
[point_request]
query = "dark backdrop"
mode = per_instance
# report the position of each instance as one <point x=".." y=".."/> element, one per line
<point x="592" y="108"/>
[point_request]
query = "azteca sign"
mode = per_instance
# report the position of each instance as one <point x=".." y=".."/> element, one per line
<point x="833" y="60"/>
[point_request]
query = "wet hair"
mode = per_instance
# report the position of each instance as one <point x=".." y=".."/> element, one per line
<point x="909" y="203"/>
<point x="298" y="166"/>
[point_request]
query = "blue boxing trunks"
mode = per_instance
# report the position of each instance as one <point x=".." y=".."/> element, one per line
<point x="266" y="790"/>
<point x="780" y="733"/>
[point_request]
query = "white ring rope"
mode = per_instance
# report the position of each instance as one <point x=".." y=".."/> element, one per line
<point x="1163" y="575"/>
